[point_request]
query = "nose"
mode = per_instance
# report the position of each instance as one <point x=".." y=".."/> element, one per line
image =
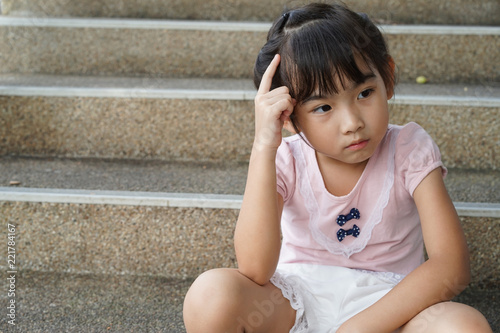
<point x="352" y="121"/>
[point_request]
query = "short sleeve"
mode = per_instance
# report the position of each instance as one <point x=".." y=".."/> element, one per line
<point x="285" y="171"/>
<point x="416" y="155"/>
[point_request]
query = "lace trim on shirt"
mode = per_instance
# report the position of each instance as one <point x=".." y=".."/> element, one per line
<point x="290" y="289"/>
<point x="333" y="245"/>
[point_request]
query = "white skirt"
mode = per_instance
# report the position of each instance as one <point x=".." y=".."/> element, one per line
<point x="326" y="296"/>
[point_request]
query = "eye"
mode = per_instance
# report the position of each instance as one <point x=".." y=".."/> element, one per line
<point x="322" y="109"/>
<point x="365" y="93"/>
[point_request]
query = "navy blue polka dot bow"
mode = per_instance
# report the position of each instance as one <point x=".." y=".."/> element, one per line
<point x="342" y="233"/>
<point x="343" y="219"/>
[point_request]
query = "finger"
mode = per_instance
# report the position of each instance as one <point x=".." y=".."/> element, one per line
<point x="282" y="109"/>
<point x="267" y="78"/>
<point x="274" y="95"/>
<point x="283" y="90"/>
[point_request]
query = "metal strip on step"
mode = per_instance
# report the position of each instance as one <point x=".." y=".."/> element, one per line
<point x="151" y="24"/>
<point x="477" y="209"/>
<point x="127" y="93"/>
<point x="106" y="23"/>
<point x="188" y="200"/>
<point x="492" y="102"/>
<point x="238" y="95"/>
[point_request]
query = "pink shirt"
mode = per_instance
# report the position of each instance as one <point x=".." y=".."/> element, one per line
<point x="390" y="236"/>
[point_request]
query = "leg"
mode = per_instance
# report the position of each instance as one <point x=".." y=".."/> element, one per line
<point x="448" y="317"/>
<point x="223" y="300"/>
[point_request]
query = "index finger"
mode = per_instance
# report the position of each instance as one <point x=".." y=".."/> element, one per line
<point x="267" y="78"/>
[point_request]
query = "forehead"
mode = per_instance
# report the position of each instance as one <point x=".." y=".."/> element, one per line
<point x="322" y="66"/>
<point x="347" y="82"/>
<point x="333" y="81"/>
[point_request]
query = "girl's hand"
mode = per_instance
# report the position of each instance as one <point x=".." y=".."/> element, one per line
<point x="272" y="109"/>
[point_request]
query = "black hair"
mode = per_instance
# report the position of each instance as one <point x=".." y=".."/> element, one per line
<point x="319" y="44"/>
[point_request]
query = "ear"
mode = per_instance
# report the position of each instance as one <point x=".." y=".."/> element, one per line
<point x="390" y="86"/>
<point x="289" y="126"/>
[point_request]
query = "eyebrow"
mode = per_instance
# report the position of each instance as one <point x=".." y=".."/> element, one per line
<point x="351" y="86"/>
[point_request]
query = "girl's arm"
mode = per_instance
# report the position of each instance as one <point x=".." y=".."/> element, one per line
<point x="445" y="274"/>
<point x="257" y="237"/>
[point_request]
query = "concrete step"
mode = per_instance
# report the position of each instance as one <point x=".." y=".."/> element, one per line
<point x="209" y="119"/>
<point x="161" y="176"/>
<point x="100" y="226"/>
<point x="58" y="302"/>
<point x="128" y="47"/>
<point x="464" y="12"/>
<point x="164" y="234"/>
<point x="225" y="178"/>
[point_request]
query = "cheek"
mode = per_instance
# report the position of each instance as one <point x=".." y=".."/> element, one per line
<point x="381" y="121"/>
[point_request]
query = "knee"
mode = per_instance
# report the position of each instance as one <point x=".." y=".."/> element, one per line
<point x="450" y="317"/>
<point x="212" y="299"/>
<point x="469" y="320"/>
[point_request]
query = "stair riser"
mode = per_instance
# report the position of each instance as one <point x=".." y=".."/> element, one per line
<point x="225" y="54"/>
<point x="464" y="12"/>
<point x="172" y="242"/>
<point x="127" y="128"/>
<point x="207" y="130"/>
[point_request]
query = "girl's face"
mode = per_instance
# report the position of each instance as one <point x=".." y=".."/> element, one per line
<point x="347" y="127"/>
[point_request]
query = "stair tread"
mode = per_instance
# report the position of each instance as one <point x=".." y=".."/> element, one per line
<point x="222" y="49"/>
<point x="125" y="175"/>
<point x="57" y="302"/>
<point x="182" y="177"/>
<point x="468" y="12"/>
<point x="36" y="84"/>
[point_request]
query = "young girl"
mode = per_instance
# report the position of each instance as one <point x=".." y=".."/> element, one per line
<point x="331" y="230"/>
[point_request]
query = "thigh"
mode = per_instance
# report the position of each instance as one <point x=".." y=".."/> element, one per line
<point x="448" y="317"/>
<point x="224" y="300"/>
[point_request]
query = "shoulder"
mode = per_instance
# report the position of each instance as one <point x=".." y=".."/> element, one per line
<point x="406" y="133"/>
<point x="285" y="150"/>
<point x="412" y="139"/>
<point x="416" y="154"/>
<point x="285" y="166"/>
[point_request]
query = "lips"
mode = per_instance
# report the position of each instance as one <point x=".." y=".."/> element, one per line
<point x="358" y="145"/>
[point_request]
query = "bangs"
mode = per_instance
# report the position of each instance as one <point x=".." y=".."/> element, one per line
<point x="321" y="59"/>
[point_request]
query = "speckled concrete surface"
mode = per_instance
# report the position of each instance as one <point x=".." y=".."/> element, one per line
<point x="54" y="302"/>
<point x="172" y="242"/>
<point x="412" y="12"/>
<point x="444" y="59"/>
<point x="484" y="251"/>
<point x="162" y="176"/>
<point x="129" y="52"/>
<point x="173" y="53"/>
<point x="127" y="128"/>
<point x="466" y="136"/>
<point x="194" y="130"/>
<point x="127" y="175"/>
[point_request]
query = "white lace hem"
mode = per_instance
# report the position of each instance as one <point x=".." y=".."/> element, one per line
<point x="290" y="289"/>
<point x="390" y="277"/>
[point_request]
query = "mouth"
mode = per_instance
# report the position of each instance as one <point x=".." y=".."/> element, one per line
<point x="358" y="145"/>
